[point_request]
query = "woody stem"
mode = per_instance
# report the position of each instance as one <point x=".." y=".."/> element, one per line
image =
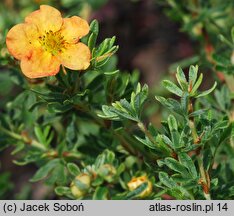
<point x="204" y="175"/>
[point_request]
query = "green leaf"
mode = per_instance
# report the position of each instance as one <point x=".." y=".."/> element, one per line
<point x="226" y="41"/>
<point x="175" y="135"/>
<point x="173" y="88"/>
<point x="55" y="107"/>
<point x="167" y="141"/>
<point x="60" y="175"/>
<point x="51" y="96"/>
<point x="184" y="102"/>
<point x="101" y="193"/>
<point x="46" y="130"/>
<point x="110" y="73"/>
<point x="179" y="193"/>
<point x="226" y="133"/>
<point x="94" y="27"/>
<point x="92" y="41"/>
<point x="146" y="142"/>
<point x="221" y="125"/>
<point x="35" y="105"/>
<point x="109" y="156"/>
<point x="124" y="115"/>
<point x="172" y="123"/>
<point x="106" y="47"/>
<point x="166" y="180"/>
<point x="176" y="166"/>
<point x="43" y="135"/>
<point x="181" y="79"/>
<point x="138" y="99"/>
<point x="171" y="104"/>
<point x="207" y="91"/>
<point x="5" y="83"/>
<point x="73" y="169"/>
<point x="127" y="107"/>
<point x="223" y="98"/>
<point x="96" y="84"/>
<point x="152" y="130"/>
<point x="108" y="113"/>
<point x="106" y="157"/>
<point x="20" y="146"/>
<point x="120" y="169"/>
<point x="131" y="111"/>
<point x="45" y="170"/>
<point x="221" y="60"/>
<point x="188" y="163"/>
<point x="71" y="134"/>
<point x="192" y="75"/>
<point x="232" y="34"/>
<point x="57" y="175"/>
<point x="221" y="68"/>
<point x="39" y="134"/>
<point x="198" y="113"/>
<point x="161" y="100"/>
<point x="162" y="148"/>
<point x="61" y="190"/>
<point x="197" y="85"/>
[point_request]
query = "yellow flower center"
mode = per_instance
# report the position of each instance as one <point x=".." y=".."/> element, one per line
<point x="53" y="42"/>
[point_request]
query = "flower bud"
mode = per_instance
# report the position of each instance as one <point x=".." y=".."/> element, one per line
<point x="80" y="185"/>
<point x="107" y="171"/>
<point x="137" y="182"/>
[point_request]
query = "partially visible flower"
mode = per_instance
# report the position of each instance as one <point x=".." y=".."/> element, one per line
<point x="46" y="40"/>
<point x="80" y="185"/>
<point x="137" y="182"/>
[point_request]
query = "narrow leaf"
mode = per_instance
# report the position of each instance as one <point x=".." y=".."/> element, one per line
<point x="44" y="170"/>
<point x="181" y="79"/>
<point x="192" y="74"/>
<point x="73" y="169"/>
<point x="146" y="142"/>
<point x="188" y="163"/>
<point x="166" y="180"/>
<point x="176" y="166"/>
<point x="172" y="123"/>
<point x="101" y="193"/>
<point x="197" y="85"/>
<point x="207" y="91"/>
<point x="61" y="190"/>
<point x="173" y="88"/>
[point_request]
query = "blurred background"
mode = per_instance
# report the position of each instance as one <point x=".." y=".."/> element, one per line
<point x="148" y="41"/>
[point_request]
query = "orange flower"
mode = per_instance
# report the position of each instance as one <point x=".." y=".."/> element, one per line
<point x="46" y="40"/>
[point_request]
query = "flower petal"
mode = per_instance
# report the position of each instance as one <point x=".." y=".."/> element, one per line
<point x="76" y="57"/>
<point x="74" y="28"/>
<point x="21" y="39"/>
<point x="46" y="18"/>
<point x="39" y="64"/>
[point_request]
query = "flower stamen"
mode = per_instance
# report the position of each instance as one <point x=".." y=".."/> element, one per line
<point x="52" y="42"/>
